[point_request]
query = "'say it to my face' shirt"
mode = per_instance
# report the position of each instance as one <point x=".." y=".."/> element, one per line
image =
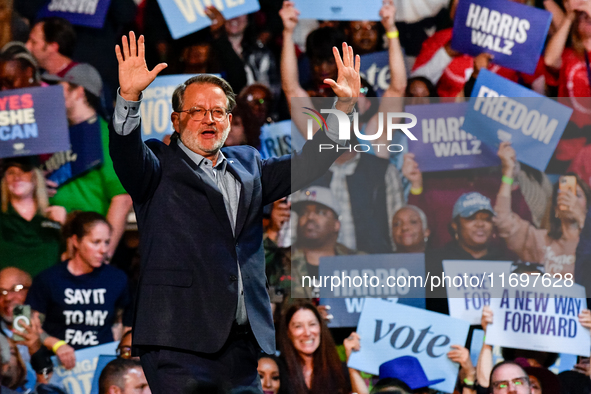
<point x="79" y="309"/>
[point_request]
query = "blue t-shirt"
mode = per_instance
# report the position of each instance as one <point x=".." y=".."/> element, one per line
<point x="79" y="309"/>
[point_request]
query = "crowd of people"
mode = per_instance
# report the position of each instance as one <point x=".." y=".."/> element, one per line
<point x="69" y="241"/>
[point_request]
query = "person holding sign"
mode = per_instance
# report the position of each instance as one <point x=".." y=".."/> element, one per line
<point x="199" y="211"/>
<point x="553" y="248"/>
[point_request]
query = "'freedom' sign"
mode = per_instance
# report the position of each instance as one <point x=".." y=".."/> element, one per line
<point x="89" y="13"/>
<point x="514" y="33"/>
<point x="389" y="330"/>
<point x="540" y="318"/>
<point x="501" y="110"/>
<point x="442" y="142"/>
<point x="184" y="17"/>
<point x="33" y="121"/>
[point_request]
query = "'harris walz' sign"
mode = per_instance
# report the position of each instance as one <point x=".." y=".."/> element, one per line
<point x="442" y="143"/>
<point x="512" y="32"/>
<point x="33" y="121"/>
<point x="91" y="13"/>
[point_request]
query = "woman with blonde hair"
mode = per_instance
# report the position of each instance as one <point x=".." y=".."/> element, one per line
<point x="29" y="227"/>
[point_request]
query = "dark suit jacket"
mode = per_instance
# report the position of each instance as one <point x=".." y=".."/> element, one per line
<point x="188" y="289"/>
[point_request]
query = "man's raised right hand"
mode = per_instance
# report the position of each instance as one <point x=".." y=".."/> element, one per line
<point x="134" y="75"/>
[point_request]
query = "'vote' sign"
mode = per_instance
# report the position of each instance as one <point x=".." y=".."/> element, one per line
<point x="389" y="330"/>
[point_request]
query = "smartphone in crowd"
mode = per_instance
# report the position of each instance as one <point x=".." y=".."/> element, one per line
<point x="21" y="317"/>
<point x="567" y="183"/>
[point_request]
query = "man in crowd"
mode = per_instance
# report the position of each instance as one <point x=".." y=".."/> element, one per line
<point x="94" y="186"/>
<point x="196" y="206"/>
<point x="317" y="233"/>
<point x="509" y="377"/>
<point x="52" y="41"/>
<point x="123" y="376"/>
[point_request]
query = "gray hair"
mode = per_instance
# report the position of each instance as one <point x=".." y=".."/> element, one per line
<point x="419" y="212"/>
<point x="178" y="95"/>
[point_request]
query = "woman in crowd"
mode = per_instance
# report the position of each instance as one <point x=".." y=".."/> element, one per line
<point x="308" y="351"/>
<point x="269" y="373"/>
<point x="18" y="68"/>
<point x="29" y="227"/>
<point x="409" y="230"/>
<point x="554" y="247"/>
<point x="81" y="297"/>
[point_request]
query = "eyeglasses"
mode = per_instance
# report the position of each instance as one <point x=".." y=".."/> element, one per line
<point x="198" y="113"/>
<point x="15" y="289"/>
<point x="124" y="352"/>
<point x="517" y="382"/>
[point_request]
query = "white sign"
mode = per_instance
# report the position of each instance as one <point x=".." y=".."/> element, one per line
<point x="389" y="330"/>
<point x="540" y="318"/>
<point x="466" y="301"/>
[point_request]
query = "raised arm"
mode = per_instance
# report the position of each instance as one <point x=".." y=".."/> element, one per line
<point x="556" y="44"/>
<point x="395" y="57"/>
<point x="289" y="61"/>
<point x="135" y="164"/>
<point x="134" y="75"/>
<point x="520" y="235"/>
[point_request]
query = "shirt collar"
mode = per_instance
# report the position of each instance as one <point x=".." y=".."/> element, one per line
<point x="198" y="159"/>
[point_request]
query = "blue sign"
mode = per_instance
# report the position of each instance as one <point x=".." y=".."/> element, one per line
<point x="338" y="10"/>
<point x="156" y="106"/>
<point x="33" y="121"/>
<point x="375" y="68"/>
<point x="79" y="379"/>
<point x="102" y="362"/>
<point x="389" y="330"/>
<point x="276" y="139"/>
<point x="184" y="17"/>
<point x="501" y="110"/>
<point x="346" y="311"/>
<point x="90" y="13"/>
<point x="442" y="141"/>
<point x="85" y="154"/>
<point x="514" y="33"/>
<point x="374" y="275"/>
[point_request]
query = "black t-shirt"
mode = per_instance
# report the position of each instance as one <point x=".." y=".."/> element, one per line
<point x="79" y="309"/>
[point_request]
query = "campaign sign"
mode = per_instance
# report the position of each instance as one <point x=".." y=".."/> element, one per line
<point x="346" y="311"/>
<point x="466" y="301"/>
<point x="389" y="330"/>
<point x="442" y="142"/>
<point x="102" y="362"/>
<point x="184" y="17"/>
<point x="514" y="33"/>
<point x="90" y="13"/>
<point x="565" y="362"/>
<point x="338" y="10"/>
<point x="501" y="110"/>
<point x="79" y="379"/>
<point x="375" y="275"/>
<point x="156" y="106"/>
<point x="33" y="121"/>
<point x="86" y="153"/>
<point x="276" y="139"/>
<point x="375" y="68"/>
<point x="541" y="318"/>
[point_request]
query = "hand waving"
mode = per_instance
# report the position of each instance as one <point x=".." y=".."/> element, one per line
<point x="134" y="75"/>
<point x="348" y="82"/>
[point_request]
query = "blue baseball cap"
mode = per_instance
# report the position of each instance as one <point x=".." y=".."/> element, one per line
<point x="470" y="203"/>
<point x="409" y="370"/>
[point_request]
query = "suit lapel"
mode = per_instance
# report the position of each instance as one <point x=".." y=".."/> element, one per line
<point x="214" y="196"/>
<point x="246" y="190"/>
